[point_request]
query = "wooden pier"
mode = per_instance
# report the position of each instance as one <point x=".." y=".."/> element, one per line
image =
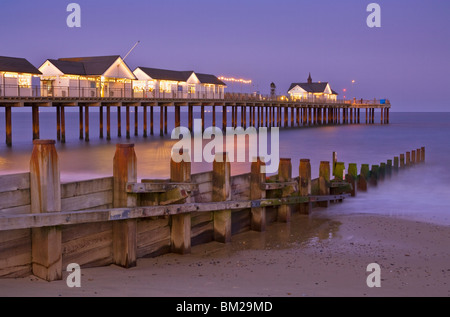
<point x="256" y="111"/>
<point x="46" y="225"/>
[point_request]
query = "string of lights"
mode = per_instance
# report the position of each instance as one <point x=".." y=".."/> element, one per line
<point x="236" y="80"/>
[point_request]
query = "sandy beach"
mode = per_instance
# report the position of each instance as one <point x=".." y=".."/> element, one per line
<point x="313" y="256"/>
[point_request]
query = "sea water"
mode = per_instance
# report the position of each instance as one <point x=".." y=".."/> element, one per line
<point x="420" y="193"/>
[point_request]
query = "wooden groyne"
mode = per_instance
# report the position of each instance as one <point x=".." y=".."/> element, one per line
<point x="277" y="111"/>
<point x="46" y="225"/>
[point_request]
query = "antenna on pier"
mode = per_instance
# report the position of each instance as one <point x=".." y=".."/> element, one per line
<point x="131" y="49"/>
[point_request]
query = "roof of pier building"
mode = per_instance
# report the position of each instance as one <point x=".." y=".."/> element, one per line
<point x="312" y="87"/>
<point x="17" y="65"/>
<point x="179" y="76"/>
<point x="92" y="66"/>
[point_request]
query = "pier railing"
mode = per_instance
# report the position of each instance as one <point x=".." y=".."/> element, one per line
<point x="46" y="225"/>
<point x="44" y="91"/>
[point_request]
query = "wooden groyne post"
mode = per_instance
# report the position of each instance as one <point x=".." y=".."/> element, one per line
<point x="305" y="184"/>
<point x="45" y="190"/>
<point x="257" y="180"/>
<point x="180" y="234"/>
<point x="222" y="192"/>
<point x="324" y="182"/>
<point x="124" y="231"/>
<point x="364" y="177"/>
<point x="353" y="177"/>
<point x="285" y="175"/>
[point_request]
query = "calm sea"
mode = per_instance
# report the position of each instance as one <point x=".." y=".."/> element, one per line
<point x="421" y="193"/>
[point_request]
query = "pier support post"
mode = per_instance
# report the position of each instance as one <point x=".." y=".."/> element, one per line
<point x="324" y="182"/>
<point x="58" y="123"/>
<point x="177" y="116"/>
<point x="81" y="122"/>
<point x="136" y="121"/>
<point x="124" y="231"/>
<point x="180" y="231"/>
<point x="224" y="118"/>
<point x="152" y="131"/>
<point x="45" y="188"/>
<point x="165" y="118"/>
<point x="86" y="124"/>
<point x="145" y="116"/>
<point x="108" y="123"/>
<point x="285" y="175"/>
<point x="222" y="192"/>
<point x="305" y="184"/>
<point x="127" y="108"/>
<point x="63" y="124"/>
<point x="422" y="154"/>
<point x="161" y="120"/>
<point x="101" y="122"/>
<point x="213" y="115"/>
<point x="257" y="179"/>
<point x="8" y="123"/>
<point x="202" y="110"/>
<point x="35" y="117"/>
<point x="359" y="115"/>
<point x="119" y="122"/>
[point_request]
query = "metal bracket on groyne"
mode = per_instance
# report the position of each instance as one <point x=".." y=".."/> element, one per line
<point x="45" y="225"/>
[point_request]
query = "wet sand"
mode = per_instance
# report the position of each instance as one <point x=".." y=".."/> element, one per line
<point x="313" y="256"/>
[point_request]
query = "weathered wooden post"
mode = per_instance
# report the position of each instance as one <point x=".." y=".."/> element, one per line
<point x="127" y="108"/>
<point x="100" y="117"/>
<point x="333" y="162"/>
<point x="422" y="154"/>
<point x="45" y="188"/>
<point x="418" y="156"/>
<point x="389" y="168"/>
<point x="324" y="182"/>
<point x="145" y="117"/>
<point x="180" y="233"/>
<point x="364" y="177"/>
<point x="382" y="171"/>
<point x="402" y="161"/>
<point x="136" y="121"/>
<point x="339" y="171"/>
<point x="408" y="159"/>
<point x="353" y="176"/>
<point x="224" y="118"/>
<point x="257" y="180"/>
<point x="222" y="192"/>
<point x="285" y="175"/>
<point x="396" y="164"/>
<point x="413" y="157"/>
<point x="151" y="120"/>
<point x="305" y="184"/>
<point x="374" y="175"/>
<point x="124" y="231"/>
<point x="58" y="122"/>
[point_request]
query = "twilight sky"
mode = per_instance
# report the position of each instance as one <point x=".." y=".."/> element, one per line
<point x="406" y="60"/>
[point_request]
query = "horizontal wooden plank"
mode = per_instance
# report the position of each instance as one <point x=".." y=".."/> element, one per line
<point x="20" y="210"/>
<point x="143" y="188"/>
<point x="86" y="187"/>
<point x="15" y="198"/>
<point x="273" y="186"/>
<point x="87" y="201"/>
<point x="205" y="188"/>
<point x="14" y="182"/>
<point x="76" y="217"/>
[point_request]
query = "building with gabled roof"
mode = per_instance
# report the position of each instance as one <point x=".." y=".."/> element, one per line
<point x="16" y="75"/>
<point x="96" y="76"/>
<point x="312" y="91"/>
<point x="157" y="82"/>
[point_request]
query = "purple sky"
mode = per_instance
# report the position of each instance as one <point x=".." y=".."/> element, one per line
<point x="406" y="60"/>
